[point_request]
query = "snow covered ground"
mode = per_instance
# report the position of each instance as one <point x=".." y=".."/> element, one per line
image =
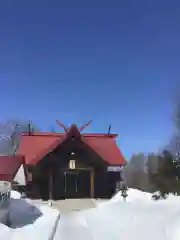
<point x="138" y="218"/>
<point x="28" y="221"/>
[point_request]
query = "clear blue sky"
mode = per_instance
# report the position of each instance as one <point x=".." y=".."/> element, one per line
<point x="113" y="63"/>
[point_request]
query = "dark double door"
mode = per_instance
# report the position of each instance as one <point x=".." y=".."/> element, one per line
<point x="72" y="184"/>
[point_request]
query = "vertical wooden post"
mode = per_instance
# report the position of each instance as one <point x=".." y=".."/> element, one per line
<point x="50" y="184"/>
<point x="92" y="183"/>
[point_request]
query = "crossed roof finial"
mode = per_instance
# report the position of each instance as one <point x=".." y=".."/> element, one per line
<point x="67" y="128"/>
<point x="84" y="126"/>
<point x="62" y="125"/>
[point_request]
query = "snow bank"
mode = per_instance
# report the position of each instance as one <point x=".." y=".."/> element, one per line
<point x="22" y="212"/>
<point x="28" y="221"/>
<point x="41" y="229"/>
<point x="133" y="194"/>
<point x="138" y="218"/>
<point x="15" y="194"/>
<point x="121" y="220"/>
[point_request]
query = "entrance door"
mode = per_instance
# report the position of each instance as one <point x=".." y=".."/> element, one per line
<point x="84" y="184"/>
<point x="71" y="188"/>
<point x="72" y="184"/>
<point x="59" y="185"/>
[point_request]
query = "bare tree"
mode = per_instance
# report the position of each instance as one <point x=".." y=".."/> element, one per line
<point x="174" y="145"/>
<point x="10" y="132"/>
<point x="152" y="164"/>
<point x="136" y="173"/>
<point x="167" y="177"/>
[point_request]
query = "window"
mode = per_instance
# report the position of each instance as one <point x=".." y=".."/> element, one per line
<point x="29" y="177"/>
<point x="72" y="164"/>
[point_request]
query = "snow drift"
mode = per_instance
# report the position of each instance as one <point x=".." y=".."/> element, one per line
<point x="133" y="194"/>
<point x="22" y="213"/>
<point x="138" y="218"/>
<point x="15" y="194"/>
<point x="28" y="221"/>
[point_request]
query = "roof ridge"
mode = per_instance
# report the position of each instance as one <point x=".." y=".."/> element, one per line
<point x="49" y="134"/>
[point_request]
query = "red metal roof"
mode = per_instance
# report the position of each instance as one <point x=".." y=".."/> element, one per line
<point x="9" y="166"/>
<point x="107" y="149"/>
<point x="36" y="146"/>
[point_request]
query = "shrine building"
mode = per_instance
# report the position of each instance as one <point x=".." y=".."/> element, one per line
<point x="70" y="164"/>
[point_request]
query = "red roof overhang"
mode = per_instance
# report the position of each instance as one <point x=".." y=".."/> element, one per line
<point x="9" y="166"/>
